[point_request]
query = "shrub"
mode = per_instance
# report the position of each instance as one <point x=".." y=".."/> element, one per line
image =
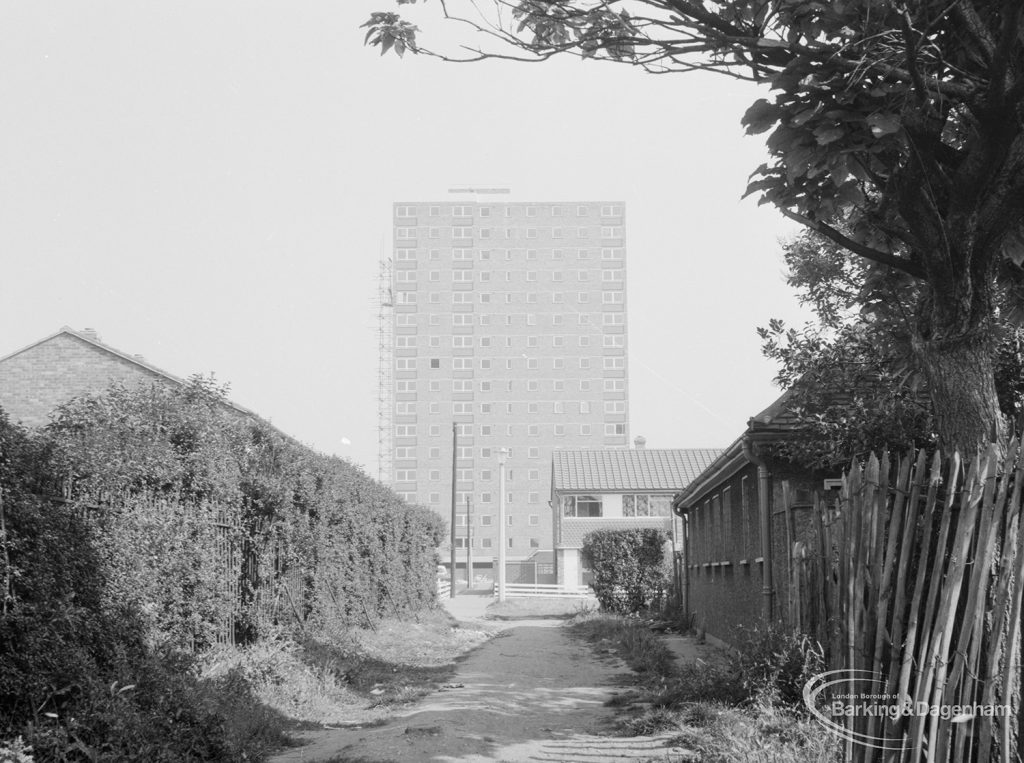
<point x="776" y="663"/>
<point x="169" y="515"/>
<point x="629" y="568"/>
<point x="79" y="678"/>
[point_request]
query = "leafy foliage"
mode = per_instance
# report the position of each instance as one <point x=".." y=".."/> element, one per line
<point x="628" y="566"/>
<point x="146" y="524"/>
<point x="853" y="378"/>
<point x="176" y="471"/>
<point x="894" y="130"/>
<point x="78" y="678"/>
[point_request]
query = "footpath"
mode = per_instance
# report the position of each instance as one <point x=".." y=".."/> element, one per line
<point x="529" y="694"/>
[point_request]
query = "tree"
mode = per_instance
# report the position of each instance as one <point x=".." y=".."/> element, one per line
<point x="896" y="133"/>
<point x="853" y="380"/>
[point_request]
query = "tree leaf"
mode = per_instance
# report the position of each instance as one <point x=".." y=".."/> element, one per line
<point x="883" y="124"/>
<point x="761" y="116"/>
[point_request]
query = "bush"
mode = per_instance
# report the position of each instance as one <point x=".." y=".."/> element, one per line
<point x="776" y="663"/>
<point x="143" y="526"/>
<point x="629" y="568"/>
<point x="79" y="678"/>
<point x="209" y="511"/>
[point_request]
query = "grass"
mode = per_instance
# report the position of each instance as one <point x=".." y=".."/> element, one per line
<point x="540" y="606"/>
<point x="352" y="676"/>
<point x="710" y="708"/>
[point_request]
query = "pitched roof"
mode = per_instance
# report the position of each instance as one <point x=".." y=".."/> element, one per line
<point x="90" y="338"/>
<point x="626" y="469"/>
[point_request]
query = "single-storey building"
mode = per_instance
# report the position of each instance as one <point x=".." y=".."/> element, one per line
<point x="613" y="489"/>
<point x="743" y="515"/>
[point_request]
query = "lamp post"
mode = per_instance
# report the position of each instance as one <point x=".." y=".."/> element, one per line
<point x="469" y="545"/>
<point x="455" y="453"/>
<point x="502" y="454"/>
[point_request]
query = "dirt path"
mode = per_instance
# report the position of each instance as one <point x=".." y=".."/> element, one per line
<point x="530" y="694"/>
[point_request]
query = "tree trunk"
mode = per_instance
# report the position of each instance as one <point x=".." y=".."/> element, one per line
<point x="961" y="381"/>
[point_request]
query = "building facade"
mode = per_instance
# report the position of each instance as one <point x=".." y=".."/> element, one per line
<point x="617" y="490"/>
<point x="509" y="323"/>
<point x="745" y="514"/>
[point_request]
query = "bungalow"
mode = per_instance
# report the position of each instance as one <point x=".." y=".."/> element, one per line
<point x="613" y="489"/>
<point x="743" y="514"/>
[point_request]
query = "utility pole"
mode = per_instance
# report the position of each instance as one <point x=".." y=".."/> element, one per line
<point x="455" y="456"/>
<point x="469" y="545"/>
<point x="500" y="578"/>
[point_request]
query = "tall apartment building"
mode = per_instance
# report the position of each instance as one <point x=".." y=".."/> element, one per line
<point x="509" y="321"/>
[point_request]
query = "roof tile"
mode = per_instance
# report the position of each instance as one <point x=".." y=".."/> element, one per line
<point x="629" y="469"/>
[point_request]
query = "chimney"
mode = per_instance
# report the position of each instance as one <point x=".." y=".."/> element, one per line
<point x="640" y="442"/>
<point x="90" y="334"/>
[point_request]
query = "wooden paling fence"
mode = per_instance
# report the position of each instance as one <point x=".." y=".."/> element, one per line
<point x="915" y="576"/>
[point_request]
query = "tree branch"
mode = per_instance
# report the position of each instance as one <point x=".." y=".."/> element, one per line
<point x="875" y="255"/>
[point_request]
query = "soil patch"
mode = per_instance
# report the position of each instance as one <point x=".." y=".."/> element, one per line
<point x="532" y="693"/>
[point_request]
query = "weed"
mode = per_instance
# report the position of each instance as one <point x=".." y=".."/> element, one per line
<point x="737" y="710"/>
<point x="631" y="638"/>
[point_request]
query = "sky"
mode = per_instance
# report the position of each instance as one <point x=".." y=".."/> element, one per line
<point x="210" y="185"/>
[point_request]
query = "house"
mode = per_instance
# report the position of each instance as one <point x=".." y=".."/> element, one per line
<point x="743" y="514"/>
<point x="36" y="379"/>
<point x="616" y="489"/>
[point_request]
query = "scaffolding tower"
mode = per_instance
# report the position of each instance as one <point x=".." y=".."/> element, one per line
<point x="385" y="372"/>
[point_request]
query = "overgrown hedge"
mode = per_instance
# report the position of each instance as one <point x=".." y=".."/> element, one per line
<point x="314" y="540"/>
<point x="628" y="567"/>
<point x="135" y="524"/>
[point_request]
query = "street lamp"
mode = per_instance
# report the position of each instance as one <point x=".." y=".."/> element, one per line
<point x="502" y="455"/>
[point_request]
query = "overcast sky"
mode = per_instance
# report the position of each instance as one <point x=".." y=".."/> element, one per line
<point x="209" y="184"/>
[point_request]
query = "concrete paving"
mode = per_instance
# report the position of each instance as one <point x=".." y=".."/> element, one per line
<point x="469" y="605"/>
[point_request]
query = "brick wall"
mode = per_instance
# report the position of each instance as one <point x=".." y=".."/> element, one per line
<point x="34" y="382"/>
<point x="725" y="579"/>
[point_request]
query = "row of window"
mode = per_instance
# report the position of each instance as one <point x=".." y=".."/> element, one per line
<point x="403" y="298"/>
<point x="487" y="520"/>
<point x="713" y="524"/>
<point x="468" y="475"/>
<point x="464" y="341"/>
<point x="532" y="364"/>
<point x="635" y="505"/>
<point x="462" y="254"/>
<point x="510" y="385"/>
<point x="608" y="341"/>
<point x="465" y="408"/>
<point x="407" y="320"/>
<point x="532" y="385"/>
<point x="408" y="407"/>
<point x="515" y="210"/>
<point x="465" y="232"/>
<point x="489" y="542"/>
<point x="559" y="407"/>
<point x="484" y="276"/>
<point x="467" y="452"/>
<point x="608" y="297"/>
<point x="487" y="430"/>
<point x="557" y="341"/>
<point x="610" y="363"/>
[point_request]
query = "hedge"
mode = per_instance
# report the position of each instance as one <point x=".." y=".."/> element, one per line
<point x="628" y="566"/>
<point x="146" y="524"/>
